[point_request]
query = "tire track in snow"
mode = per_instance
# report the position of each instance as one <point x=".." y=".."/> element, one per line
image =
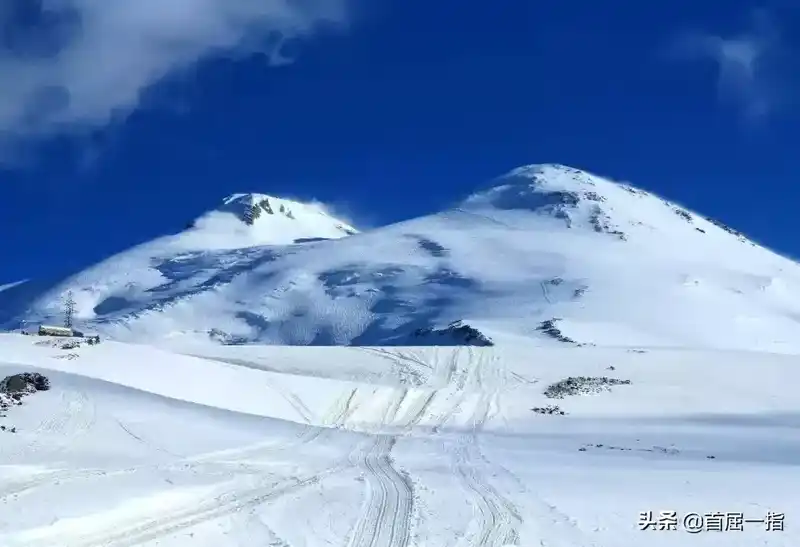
<point x="334" y="417"/>
<point x="497" y="517"/>
<point x="48" y="478"/>
<point x="417" y="410"/>
<point x="76" y="416"/>
<point x="385" y="519"/>
<point x="69" y="416"/>
<point x="159" y="523"/>
<point x="409" y="368"/>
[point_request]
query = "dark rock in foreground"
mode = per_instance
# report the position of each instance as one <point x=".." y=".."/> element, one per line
<point x="13" y="388"/>
<point x="582" y="385"/>
<point x="549" y="409"/>
<point x="26" y="382"/>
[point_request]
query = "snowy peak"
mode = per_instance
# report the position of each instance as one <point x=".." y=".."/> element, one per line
<point x="250" y="207"/>
<point x="267" y="220"/>
<point x="539" y="187"/>
<point x="578" y="199"/>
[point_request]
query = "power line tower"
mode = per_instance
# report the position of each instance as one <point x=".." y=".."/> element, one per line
<point x="69" y="310"/>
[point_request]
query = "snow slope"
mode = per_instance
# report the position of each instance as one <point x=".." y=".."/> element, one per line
<point x="393" y="446"/>
<point x="545" y="252"/>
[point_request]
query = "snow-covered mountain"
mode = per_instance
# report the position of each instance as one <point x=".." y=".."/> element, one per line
<point x="546" y="252"/>
<point x="218" y="442"/>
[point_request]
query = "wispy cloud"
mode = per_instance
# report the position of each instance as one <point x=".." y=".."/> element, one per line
<point x="66" y="65"/>
<point x="748" y="64"/>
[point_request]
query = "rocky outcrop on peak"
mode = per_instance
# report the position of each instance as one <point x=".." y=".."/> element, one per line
<point x="739" y="235"/>
<point x="602" y="224"/>
<point x="456" y="333"/>
<point x="263" y="206"/>
<point x="685" y="215"/>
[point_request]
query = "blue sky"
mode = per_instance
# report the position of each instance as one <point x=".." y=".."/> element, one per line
<point x="396" y="110"/>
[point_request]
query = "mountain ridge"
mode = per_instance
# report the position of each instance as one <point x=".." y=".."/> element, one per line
<point x="545" y="251"/>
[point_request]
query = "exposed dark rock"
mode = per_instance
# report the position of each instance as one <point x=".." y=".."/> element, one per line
<point x="549" y="328"/>
<point x="250" y="215"/>
<point x="632" y="190"/>
<point x="570" y="199"/>
<point x="71" y="344"/>
<point x="549" y="409"/>
<point x="594" y="196"/>
<point x="266" y="206"/>
<point x="685" y="215"/>
<point x="225" y="338"/>
<point x="582" y="385"/>
<point x="739" y="235"/>
<point x="663" y="450"/>
<point x="26" y="382"/>
<point x="458" y="332"/>
<point x="601" y="224"/>
<point x="254" y="211"/>
<point x="13" y="388"/>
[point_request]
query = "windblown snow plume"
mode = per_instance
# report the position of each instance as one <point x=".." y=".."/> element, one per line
<point x="71" y="64"/>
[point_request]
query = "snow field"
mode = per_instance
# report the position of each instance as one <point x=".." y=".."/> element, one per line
<point x="434" y="446"/>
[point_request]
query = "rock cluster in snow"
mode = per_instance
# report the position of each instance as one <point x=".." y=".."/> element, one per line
<point x="549" y="409"/>
<point x="550" y="328"/>
<point x="669" y="451"/>
<point x="582" y="385"/>
<point x="60" y="343"/>
<point x="13" y="388"/>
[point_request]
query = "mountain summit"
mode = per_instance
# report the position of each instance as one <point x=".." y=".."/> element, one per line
<point x="545" y="252"/>
<point x="259" y="219"/>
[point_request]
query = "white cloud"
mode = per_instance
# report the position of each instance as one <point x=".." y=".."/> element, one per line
<point x="86" y="62"/>
<point x="748" y="74"/>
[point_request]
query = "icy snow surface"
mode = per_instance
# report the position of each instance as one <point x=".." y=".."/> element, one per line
<point x="276" y="378"/>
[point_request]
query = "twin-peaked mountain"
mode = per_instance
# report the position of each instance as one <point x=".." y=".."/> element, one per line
<point x="546" y="251"/>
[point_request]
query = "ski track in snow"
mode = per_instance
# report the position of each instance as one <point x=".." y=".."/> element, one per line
<point x="385" y="517"/>
<point x="160" y="523"/>
<point x="417" y="450"/>
<point x="497" y="518"/>
<point x="386" y="514"/>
